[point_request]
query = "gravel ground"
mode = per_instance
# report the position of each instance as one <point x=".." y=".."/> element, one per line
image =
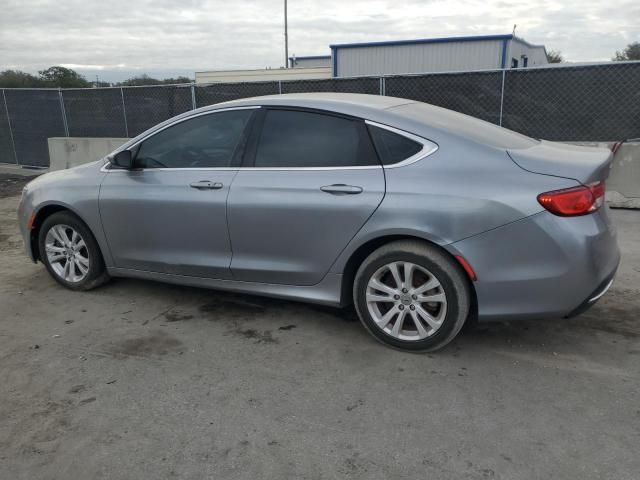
<point x="144" y="380"/>
<point x="11" y="185"/>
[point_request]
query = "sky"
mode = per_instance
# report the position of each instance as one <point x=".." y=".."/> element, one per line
<point x="117" y="39"/>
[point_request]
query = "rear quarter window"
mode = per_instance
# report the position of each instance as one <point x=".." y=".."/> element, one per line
<point x="392" y="147"/>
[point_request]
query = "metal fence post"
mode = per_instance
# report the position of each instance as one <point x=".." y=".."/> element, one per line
<point x="502" y="96"/>
<point x="383" y="86"/>
<point x="280" y="87"/>
<point x="13" y="144"/>
<point x="64" y="113"/>
<point x="124" y="113"/>
<point x="193" y="97"/>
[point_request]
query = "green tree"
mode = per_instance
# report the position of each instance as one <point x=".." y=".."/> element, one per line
<point x="177" y="80"/>
<point x="555" y="56"/>
<point x="145" y="79"/>
<point x="631" y="52"/>
<point x="139" y="80"/>
<point x="18" y="79"/>
<point x="63" y="77"/>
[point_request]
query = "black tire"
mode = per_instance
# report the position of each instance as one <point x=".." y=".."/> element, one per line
<point x="447" y="271"/>
<point x="97" y="273"/>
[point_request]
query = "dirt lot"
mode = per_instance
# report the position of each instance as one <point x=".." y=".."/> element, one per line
<point x="11" y="184"/>
<point x="144" y="380"/>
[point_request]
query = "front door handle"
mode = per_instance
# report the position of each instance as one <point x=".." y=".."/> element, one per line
<point x="206" y="185"/>
<point x="341" y="189"/>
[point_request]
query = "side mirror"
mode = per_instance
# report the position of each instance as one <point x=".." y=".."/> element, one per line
<point x="123" y="159"/>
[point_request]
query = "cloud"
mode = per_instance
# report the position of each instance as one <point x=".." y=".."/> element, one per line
<point x="125" y="36"/>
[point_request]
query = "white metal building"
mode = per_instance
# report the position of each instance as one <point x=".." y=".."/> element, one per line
<point x="314" y="61"/>
<point x="263" y="75"/>
<point x="435" y="55"/>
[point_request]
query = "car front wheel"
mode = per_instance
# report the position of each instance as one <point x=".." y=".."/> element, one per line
<point x="412" y="296"/>
<point x="70" y="252"/>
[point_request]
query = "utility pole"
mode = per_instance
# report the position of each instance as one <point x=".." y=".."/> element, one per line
<point x="286" y="38"/>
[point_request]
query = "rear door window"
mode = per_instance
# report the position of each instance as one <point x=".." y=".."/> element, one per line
<point x="301" y="139"/>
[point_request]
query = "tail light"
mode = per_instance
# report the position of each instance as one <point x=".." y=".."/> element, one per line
<point x="571" y="202"/>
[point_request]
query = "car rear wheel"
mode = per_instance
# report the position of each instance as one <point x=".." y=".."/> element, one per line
<point x="70" y="252"/>
<point x="412" y="296"/>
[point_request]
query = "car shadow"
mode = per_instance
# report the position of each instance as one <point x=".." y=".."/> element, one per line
<point x="611" y="319"/>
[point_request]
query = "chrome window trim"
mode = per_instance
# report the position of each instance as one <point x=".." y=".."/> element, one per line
<point x="428" y="147"/>
<point x="208" y="112"/>
<point x="235" y="169"/>
<point x="155" y="132"/>
<point x="271" y="169"/>
<point x="195" y="169"/>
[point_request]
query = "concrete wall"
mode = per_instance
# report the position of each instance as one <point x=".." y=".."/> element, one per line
<point x="69" y="152"/>
<point x="623" y="184"/>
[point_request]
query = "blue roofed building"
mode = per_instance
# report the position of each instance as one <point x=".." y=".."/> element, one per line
<point x="449" y="54"/>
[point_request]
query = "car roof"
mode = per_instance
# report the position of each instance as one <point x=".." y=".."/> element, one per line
<point x="419" y="118"/>
<point x="322" y="100"/>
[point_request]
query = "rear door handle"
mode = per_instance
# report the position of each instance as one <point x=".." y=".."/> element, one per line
<point x="341" y="189"/>
<point x="206" y="185"/>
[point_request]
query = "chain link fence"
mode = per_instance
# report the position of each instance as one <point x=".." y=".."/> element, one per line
<point x="33" y="116"/>
<point x="370" y="85"/>
<point x="94" y="112"/>
<point x="225" y="92"/>
<point x="581" y="103"/>
<point x="148" y="106"/>
<point x="477" y="94"/>
<point x="599" y="102"/>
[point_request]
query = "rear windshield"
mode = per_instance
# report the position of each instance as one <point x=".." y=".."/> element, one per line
<point x="465" y="126"/>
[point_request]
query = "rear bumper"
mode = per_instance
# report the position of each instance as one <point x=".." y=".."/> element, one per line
<point x="592" y="299"/>
<point x="542" y="266"/>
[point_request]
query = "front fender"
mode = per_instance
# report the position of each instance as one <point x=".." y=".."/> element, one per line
<point x="75" y="190"/>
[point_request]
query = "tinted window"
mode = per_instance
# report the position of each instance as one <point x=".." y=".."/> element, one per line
<point x="303" y="139"/>
<point x="204" y="141"/>
<point x="391" y="147"/>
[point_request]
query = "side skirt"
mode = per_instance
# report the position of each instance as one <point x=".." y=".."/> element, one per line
<point x="327" y="292"/>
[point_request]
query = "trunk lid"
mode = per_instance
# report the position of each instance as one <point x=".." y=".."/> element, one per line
<point x="583" y="164"/>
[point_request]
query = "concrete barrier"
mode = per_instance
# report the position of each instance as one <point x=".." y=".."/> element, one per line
<point x="69" y="152"/>
<point x="623" y="185"/>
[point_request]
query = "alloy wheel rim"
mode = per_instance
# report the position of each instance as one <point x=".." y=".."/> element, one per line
<point x="67" y="253"/>
<point x="406" y="301"/>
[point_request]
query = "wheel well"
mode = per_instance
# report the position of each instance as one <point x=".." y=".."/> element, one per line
<point x="44" y="213"/>
<point x="364" y="250"/>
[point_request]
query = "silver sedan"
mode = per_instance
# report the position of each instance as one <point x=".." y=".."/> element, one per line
<point x="421" y="217"/>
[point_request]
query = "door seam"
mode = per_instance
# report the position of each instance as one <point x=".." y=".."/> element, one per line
<point x="226" y="221"/>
